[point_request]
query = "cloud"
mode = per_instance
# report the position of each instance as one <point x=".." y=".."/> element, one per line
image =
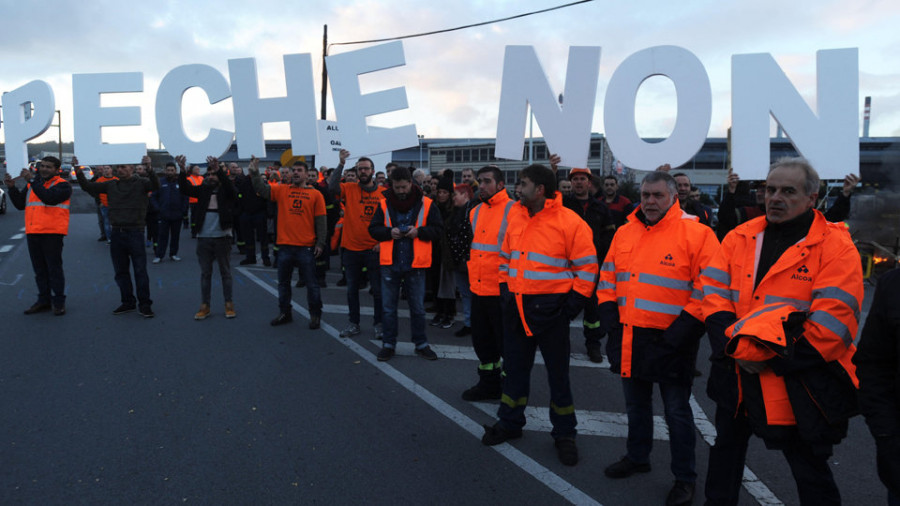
<point x="452" y="79"/>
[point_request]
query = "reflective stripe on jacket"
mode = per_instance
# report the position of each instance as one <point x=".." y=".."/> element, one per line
<point x="195" y="181"/>
<point x="421" y="249"/>
<point x="489" y="223"/>
<point x="551" y="252"/>
<point x="652" y="273"/>
<point x="820" y="277"/>
<point x="43" y="219"/>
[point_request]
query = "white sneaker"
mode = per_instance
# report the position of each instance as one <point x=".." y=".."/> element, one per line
<point x="175" y="258"/>
<point x="157" y="260"/>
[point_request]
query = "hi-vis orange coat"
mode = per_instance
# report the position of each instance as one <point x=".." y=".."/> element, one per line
<point x="820" y="276"/>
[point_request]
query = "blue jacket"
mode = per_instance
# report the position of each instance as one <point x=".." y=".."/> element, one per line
<point x="172" y="204"/>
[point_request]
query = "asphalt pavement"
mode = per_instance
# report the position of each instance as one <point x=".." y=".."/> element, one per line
<point x="104" y="409"/>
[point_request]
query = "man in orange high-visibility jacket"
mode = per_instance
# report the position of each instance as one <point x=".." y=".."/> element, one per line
<point x="649" y="297"/>
<point x="46" y="206"/>
<point x="489" y="223"/>
<point x="782" y="299"/>
<point x="405" y="224"/>
<point x="196" y="180"/>
<point x="547" y="273"/>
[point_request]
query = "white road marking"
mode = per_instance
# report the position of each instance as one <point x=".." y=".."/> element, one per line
<point x="467" y="353"/>
<point x="17" y="236"/>
<point x="5" y="248"/>
<point x="752" y="483"/>
<point x="13" y="282"/>
<point x="524" y="462"/>
<point x="591" y="423"/>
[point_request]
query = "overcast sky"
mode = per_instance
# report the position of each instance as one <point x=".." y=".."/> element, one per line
<point x="452" y="80"/>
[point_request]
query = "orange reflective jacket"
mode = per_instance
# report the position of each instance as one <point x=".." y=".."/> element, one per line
<point x="550" y="252"/>
<point x="195" y="181"/>
<point x="421" y="249"/>
<point x="821" y="275"/>
<point x="652" y="273"/>
<point x="489" y="222"/>
<point x="43" y="219"/>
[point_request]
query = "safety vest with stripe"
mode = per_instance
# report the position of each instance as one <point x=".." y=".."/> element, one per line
<point x="195" y="181"/>
<point x="489" y="222"/>
<point x="820" y="275"/>
<point x="652" y="273"/>
<point x="421" y="249"/>
<point x="43" y="219"/>
<point x="549" y="253"/>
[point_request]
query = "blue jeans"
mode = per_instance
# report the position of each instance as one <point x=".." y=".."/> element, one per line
<point x="104" y="213"/>
<point x="303" y="257"/>
<point x="462" y="286"/>
<point x="127" y="246"/>
<point x="354" y="262"/>
<point x="414" y="281"/>
<point x="679" y="419"/>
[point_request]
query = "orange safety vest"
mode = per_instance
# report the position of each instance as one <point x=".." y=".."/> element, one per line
<point x="820" y="275"/>
<point x="550" y="252"/>
<point x="104" y="197"/>
<point x="421" y="249"/>
<point x="652" y="273"/>
<point x="43" y="219"/>
<point x="195" y="181"/>
<point x="489" y="222"/>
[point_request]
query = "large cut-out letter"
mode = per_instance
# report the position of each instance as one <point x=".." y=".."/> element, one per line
<point x="828" y="138"/>
<point x="694" y="112"/>
<point x="566" y="127"/>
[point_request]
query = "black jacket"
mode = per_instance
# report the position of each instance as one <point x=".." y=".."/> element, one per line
<point x="598" y="217"/>
<point x="226" y="197"/>
<point x="877" y="363"/>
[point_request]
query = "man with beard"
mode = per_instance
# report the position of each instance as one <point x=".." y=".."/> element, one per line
<point x="215" y="219"/>
<point x="617" y="204"/>
<point x="128" y="197"/>
<point x="489" y="223"/>
<point x="172" y="205"/>
<point x="359" y="249"/>
<point x="547" y="273"/>
<point x="405" y="224"/>
<point x="301" y="236"/>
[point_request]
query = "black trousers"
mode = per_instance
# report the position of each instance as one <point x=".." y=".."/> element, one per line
<point x="46" y="260"/>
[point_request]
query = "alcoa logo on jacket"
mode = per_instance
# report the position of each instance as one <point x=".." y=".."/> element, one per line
<point x="802" y="270"/>
<point x="667" y="261"/>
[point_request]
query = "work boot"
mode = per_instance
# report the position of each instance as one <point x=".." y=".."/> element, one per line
<point x="203" y="313"/>
<point x="59" y="310"/>
<point x="482" y="392"/>
<point x="229" y="310"/>
<point x="625" y="468"/>
<point x="595" y="353"/>
<point x="38" y="307"/>
<point x="281" y="319"/>
<point x="315" y="321"/>
<point x="496" y="434"/>
<point x="566" y="450"/>
<point x="682" y="494"/>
